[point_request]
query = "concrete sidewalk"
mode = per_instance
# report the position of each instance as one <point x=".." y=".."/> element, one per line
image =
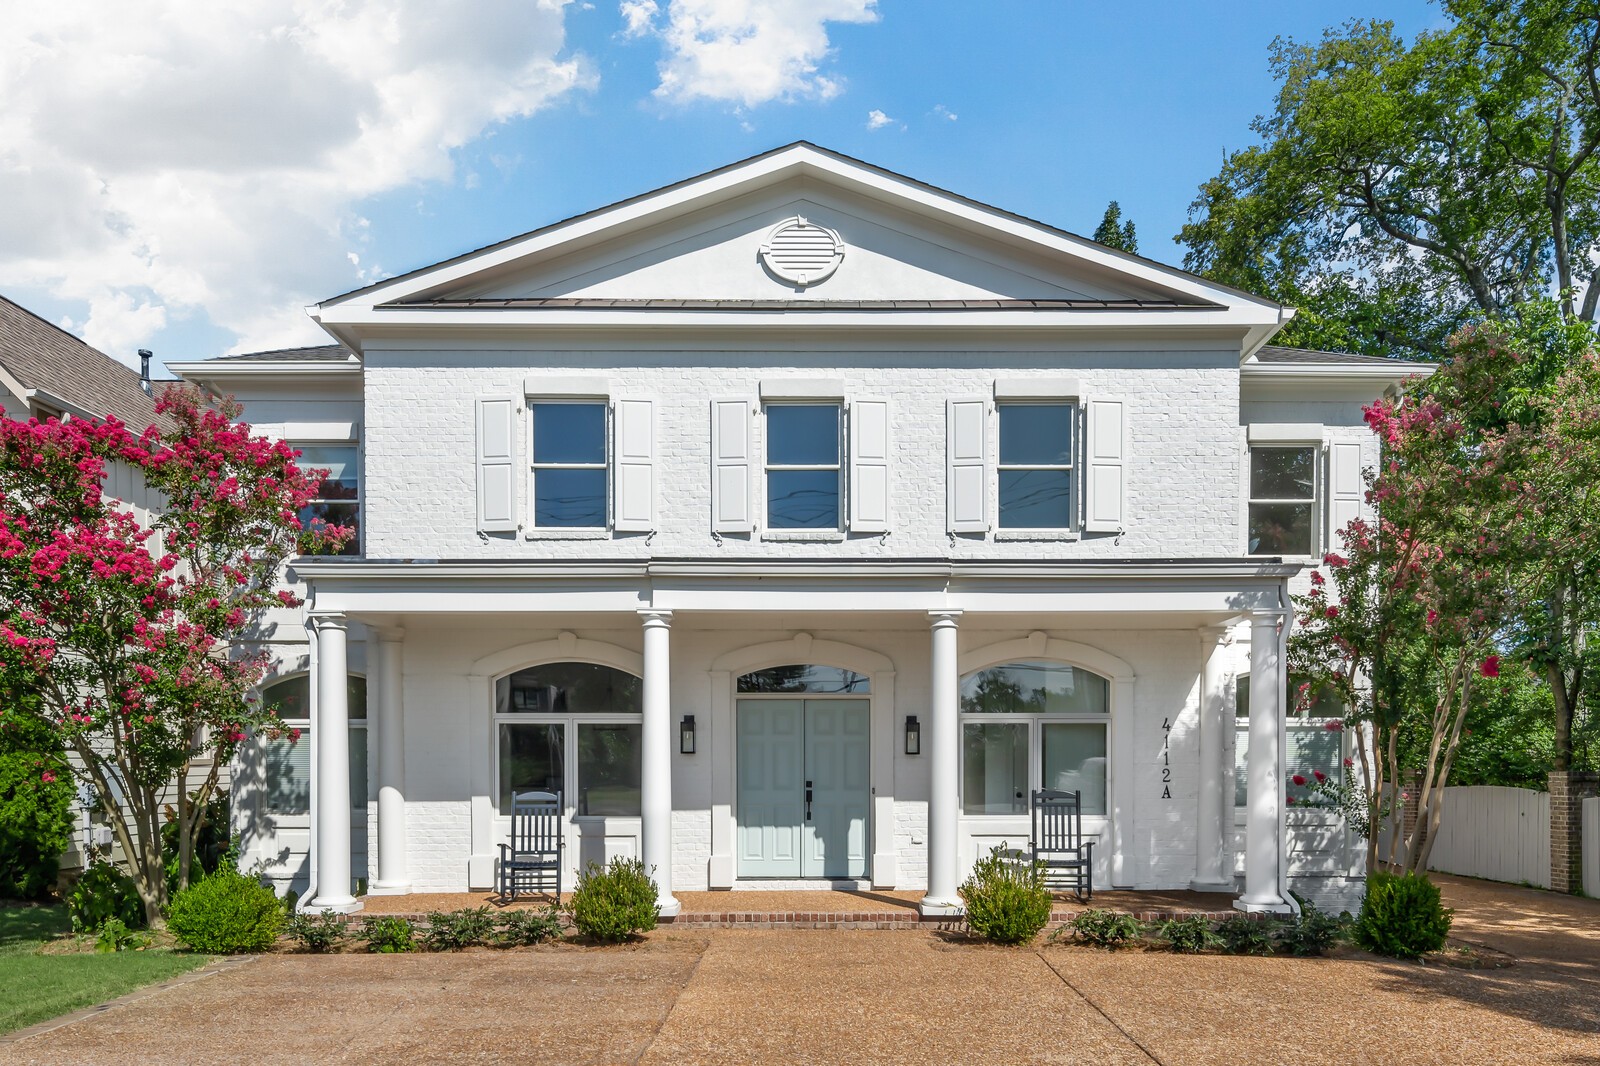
<point x="869" y="997"/>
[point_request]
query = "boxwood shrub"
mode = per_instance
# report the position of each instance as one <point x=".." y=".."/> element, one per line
<point x="225" y="914"/>
<point x="1402" y="916"/>
<point x="1007" y="901"/>
<point x="615" y="902"/>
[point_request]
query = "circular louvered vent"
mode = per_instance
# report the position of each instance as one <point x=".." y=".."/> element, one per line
<point x="802" y="252"/>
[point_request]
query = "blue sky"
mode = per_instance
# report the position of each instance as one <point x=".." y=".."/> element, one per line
<point x="202" y="178"/>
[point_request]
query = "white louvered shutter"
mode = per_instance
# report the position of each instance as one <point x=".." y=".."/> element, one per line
<point x="497" y="482"/>
<point x="731" y="472"/>
<point x="1345" y="489"/>
<point x="869" y="466"/>
<point x="1105" y="489"/>
<point x="967" y="465"/>
<point x="634" y="459"/>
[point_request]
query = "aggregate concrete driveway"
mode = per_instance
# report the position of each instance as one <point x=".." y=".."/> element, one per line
<point x="880" y="997"/>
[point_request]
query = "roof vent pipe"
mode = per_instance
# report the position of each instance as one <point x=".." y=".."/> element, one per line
<point x="144" y="370"/>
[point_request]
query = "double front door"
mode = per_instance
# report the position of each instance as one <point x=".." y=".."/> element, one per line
<point x="803" y="795"/>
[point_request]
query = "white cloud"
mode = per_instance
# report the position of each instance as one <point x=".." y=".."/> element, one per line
<point x="746" y="52"/>
<point x="163" y="157"/>
<point x="876" y="120"/>
<point x="638" y="17"/>
<point x="940" y="111"/>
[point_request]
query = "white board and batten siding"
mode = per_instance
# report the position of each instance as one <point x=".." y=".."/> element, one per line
<point x="1494" y="832"/>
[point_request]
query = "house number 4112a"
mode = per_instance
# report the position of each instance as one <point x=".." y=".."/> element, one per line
<point x="1166" y="758"/>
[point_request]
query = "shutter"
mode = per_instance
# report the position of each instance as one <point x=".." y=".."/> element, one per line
<point x="1345" y="488"/>
<point x="731" y="466"/>
<point x="869" y="466"/>
<point x="967" y="466"/>
<point x="1105" y="474"/>
<point x="497" y="495"/>
<point x="634" y="459"/>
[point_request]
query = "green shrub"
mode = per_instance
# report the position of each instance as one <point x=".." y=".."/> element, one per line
<point x="1402" y="916"/>
<point x="454" y="930"/>
<point x="522" y="928"/>
<point x="213" y="849"/>
<point x="103" y="892"/>
<point x="1245" y="934"/>
<point x="614" y="903"/>
<point x="36" y="796"/>
<point x="1314" y="932"/>
<point x="1006" y="899"/>
<point x="1190" y="935"/>
<point x="388" y="934"/>
<point x="317" y="932"/>
<point x="225" y="914"/>
<point x="114" y="936"/>
<point x="1105" y="929"/>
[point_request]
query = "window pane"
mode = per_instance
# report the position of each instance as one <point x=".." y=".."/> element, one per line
<point x="531" y="759"/>
<point x="1034" y="688"/>
<point x="569" y="688"/>
<point x="825" y="679"/>
<point x="803" y="499"/>
<point x="1035" y="499"/>
<point x="1282" y="473"/>
<point x="358" y="769"/>
<point x="803" y="434"/>
<point x="1075" y="761"/>
<point x="290" y="699"/>
<point x="287" y="768"/>
<point x="1280" y="528"/>
<point x="994" y="768"/>
<point x="339" y="460"/>
<point x="569" y="498"/>
<point x="569" y="432"/>
<point x="608" y="769"/>
<point x="1310" y="748"/>
<point x="335" y="514"/>
<point x="1036" y="434"/>
<point x="1241" y="767"/>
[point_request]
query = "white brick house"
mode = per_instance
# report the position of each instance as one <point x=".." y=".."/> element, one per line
<point x="872" y="490"/>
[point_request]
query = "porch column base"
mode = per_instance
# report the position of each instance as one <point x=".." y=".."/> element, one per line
<point x="885" y="870"/>
<point x="480" y="872"/>
<point x="719" y="873"/>
<point x="929" y="907"/>
<point x="1213" y="886"/>
<point x="1262" y="908"/>
<point x="331" y="908"/>
<point x="379" y="888"/>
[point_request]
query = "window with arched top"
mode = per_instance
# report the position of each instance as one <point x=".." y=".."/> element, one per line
<point x="573" y="728"/>
<point x="287" y="760"/>
<point x="1028" y="725"/>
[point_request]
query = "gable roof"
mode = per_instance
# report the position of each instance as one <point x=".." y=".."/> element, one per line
<point x="65" y="371"/>
<point x="433" y="295"/>
<point x="1272" y="353"/>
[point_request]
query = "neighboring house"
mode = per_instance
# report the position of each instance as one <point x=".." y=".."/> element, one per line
<point x="794" y="522"/>
<point x="46" y="372"/>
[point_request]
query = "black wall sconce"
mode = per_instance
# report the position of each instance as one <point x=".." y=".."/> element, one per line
<point x="686" y="735"/>
<point x="913" y="736"/>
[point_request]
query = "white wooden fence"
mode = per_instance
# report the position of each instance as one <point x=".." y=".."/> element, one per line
<point x="1498" y="833"/>
<point x="1591" y="846"/>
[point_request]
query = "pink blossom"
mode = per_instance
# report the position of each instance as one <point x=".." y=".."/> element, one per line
<point x="1298" y="779"/>
<point x="48" y="778"/>
<point x="1490" y="667"/>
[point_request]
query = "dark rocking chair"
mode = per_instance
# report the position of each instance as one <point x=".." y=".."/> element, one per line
<point x="1058" y="843"/>
<point x="533" y="858"/>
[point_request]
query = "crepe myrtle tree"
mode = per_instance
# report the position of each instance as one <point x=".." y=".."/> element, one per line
<point x="119" y="626"/>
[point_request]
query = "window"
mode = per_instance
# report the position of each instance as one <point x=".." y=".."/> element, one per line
<point x="823" y="680"/>
<point x="1283" y="496"/>
<point x="1036" y="446"/>
<point x="803" y="448"/>
<point x="1313" y="741"/>
<point x="573" y="728"/>
<point x="1028" y="725"/>
<point x="338" y="499"/>
<point x="570" y="464"/>
<point x="287" y="777"/>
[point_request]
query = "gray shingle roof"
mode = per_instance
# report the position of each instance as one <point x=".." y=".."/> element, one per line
<point x="331" y="353"/>
<point x="45" y="357"/>
<point x="1271" y="353"/>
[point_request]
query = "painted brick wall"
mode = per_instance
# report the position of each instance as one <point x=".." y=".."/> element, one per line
<point x="1183" y="468"/>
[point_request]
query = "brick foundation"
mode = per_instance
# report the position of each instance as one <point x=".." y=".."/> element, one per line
<point x="1568" y="790"/>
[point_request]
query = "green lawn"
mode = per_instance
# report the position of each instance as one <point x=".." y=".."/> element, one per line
<point x="36" y="987"/>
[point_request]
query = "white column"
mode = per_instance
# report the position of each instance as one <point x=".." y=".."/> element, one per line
<point x="331" y="729"/>
<point x="944" y="762"/>
<point x="387" y="719"/>
<point x="1263" y="843"/>
<point x="655" y="785"/>
<point x="1210" y="874"/>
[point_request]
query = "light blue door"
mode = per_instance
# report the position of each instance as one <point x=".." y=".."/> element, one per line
<point x="803" y="789"/>
<point x="771" y="788"/>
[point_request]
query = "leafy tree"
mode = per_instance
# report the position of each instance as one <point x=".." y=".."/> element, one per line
<point x="116" y="624"/>
<point x="1403" y="190"/>
<point x="1115" y="233"/>
<point x="35" y="807"/>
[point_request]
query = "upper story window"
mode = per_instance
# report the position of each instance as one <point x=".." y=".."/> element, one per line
<point x="338" y="500"/>
<point x="571" y="472"/>
<point x="803" y="469"/>
<point x="1283" y="499"/>
<point x="1036" y="468"/>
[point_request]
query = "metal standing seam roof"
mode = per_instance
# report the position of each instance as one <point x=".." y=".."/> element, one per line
<point x="46" y="357"/>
